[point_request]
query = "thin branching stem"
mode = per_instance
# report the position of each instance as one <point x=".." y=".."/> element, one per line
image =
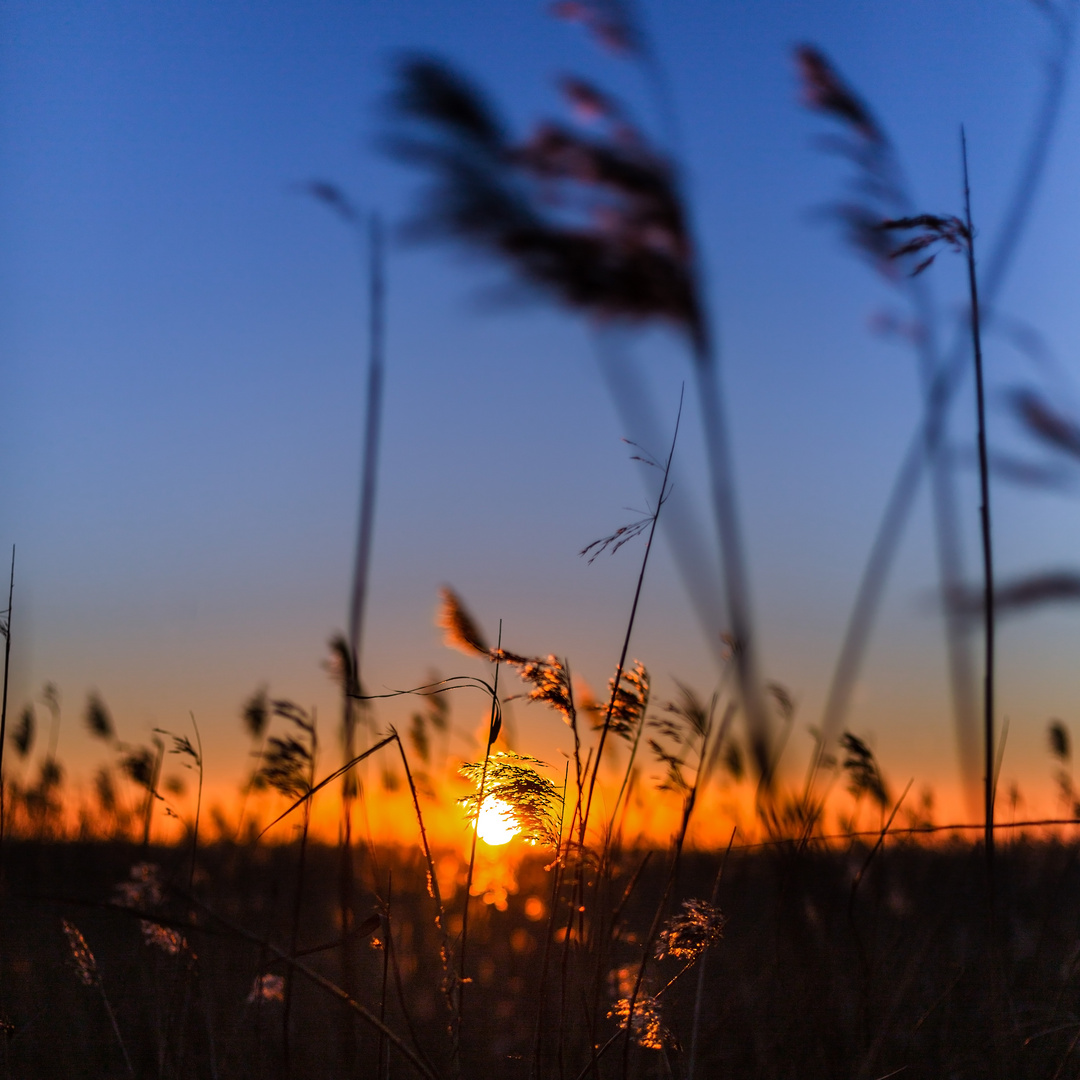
<point x="613" y="697"/>
<point x="198" y="806"/>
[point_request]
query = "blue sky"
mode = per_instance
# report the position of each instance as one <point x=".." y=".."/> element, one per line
<point x="183" y="342"/>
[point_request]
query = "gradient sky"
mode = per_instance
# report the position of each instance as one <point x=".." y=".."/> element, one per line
<point x="183" y="342"/>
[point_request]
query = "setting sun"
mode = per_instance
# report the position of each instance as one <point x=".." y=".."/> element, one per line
<point x="496" y="824"/>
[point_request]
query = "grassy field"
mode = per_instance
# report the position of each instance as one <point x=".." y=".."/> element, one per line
<point x="827" y="966"/>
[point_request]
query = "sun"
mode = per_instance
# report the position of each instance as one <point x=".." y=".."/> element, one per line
<point x="496" y="824"/>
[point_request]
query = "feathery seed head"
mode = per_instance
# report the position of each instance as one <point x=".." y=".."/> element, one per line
<point x="630" y="700"/>
<point x="460" y="628"/>
<point x="23" y="735"/>
<point x="609" y="21"/>
<point x="1059" y="740"/>
<point x="825" y="91"/>
<point x="550" y="681"/>
<point x="169" y="941"/>
<point x="864" y="773"/>
<point x="82" y="958"/>
<point x="688" y="934"/>
<point x="98" y="721"/>
<point x="531" y="799"/>
<point x="256" y="713"/>
<point x="143" y="890"/>
<point x="646" y="1028"/>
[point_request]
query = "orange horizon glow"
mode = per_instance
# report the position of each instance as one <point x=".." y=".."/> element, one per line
<point x="388" y="817"/>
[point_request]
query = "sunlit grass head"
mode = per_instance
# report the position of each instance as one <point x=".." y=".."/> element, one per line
<point x="517" y="800"/>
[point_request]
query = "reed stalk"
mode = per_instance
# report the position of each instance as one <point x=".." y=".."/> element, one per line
<point x="5" y="626"/>
<point x="620" y="667"/>
<point x="361" y="571"/>
<point x="493" y="730"/>
<point x="984" y="520"/>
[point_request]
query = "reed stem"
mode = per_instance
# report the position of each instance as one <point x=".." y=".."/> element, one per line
<point x="984" y="518"/>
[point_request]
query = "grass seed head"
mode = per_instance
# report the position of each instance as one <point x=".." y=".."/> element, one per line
<point x="630" y="700"/>
<point x="169" y="941"/>
<point x="459" y="627"/>
<point x="256" y="713"/>
<point x="532" y="799"/>
<point x="98" y="721"/>
<point x="143" y="890"/>
<point x="689" y="933"/>
<point x="610" y="22"/>
<point x="81" y="957"/>
<point x="646" y="1028"/>
<point x="23" y="735"/>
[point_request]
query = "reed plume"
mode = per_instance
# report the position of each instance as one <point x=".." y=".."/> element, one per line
<point x="459" y="627"/>
<point x="530" y="799"/>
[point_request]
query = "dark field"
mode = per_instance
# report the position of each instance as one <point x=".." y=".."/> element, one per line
<point x="812" y="978"/>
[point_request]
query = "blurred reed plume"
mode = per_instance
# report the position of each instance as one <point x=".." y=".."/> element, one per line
<point x="863" y="772"/>
<point x="611" y="22"/>
<point x="256" y="714"/>
<point x="82" y="959"/>
<point x="86" y="970"/>
<point x="288" y="763"/>
<point x="23" y="736"/>
<point x="98" y="721"/>
<point x="460" y="628"/>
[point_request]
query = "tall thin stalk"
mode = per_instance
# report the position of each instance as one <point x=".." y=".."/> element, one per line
<point x="722" y="474"/>
<point x="385" y="975"/>
<point x="5" y="626"/>
<point x="151" y="791"/>
<point x="613" y="697"/>
<point x="556" y="878"/>
<point x="690" y="798"/>
<point x="198" y="807"/>
<point x="984" y="516"/>
<point x="336" y="200"/>
<point x="699" y="992"/>
<point x="372" y="425"/>
<point x="298" y="900"/>
<point x="361" y="569"/>
<point x="493" y="731"/>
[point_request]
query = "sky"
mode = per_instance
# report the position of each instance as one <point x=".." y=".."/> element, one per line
<point x="183" y="336"/>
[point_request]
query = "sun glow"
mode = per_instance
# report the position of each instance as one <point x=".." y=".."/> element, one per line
<point x="496" y="824"/>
